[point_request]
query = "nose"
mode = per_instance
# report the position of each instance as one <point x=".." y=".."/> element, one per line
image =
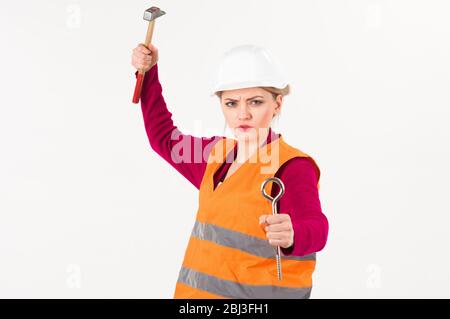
<point x="243" y="112"/>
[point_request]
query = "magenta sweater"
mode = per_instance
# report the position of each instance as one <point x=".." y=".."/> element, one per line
<point x="299" y="175"/>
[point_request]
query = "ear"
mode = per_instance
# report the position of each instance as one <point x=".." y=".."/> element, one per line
<point x="279" y="102"/>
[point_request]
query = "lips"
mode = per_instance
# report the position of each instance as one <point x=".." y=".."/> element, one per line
<point x="245" y="128"/>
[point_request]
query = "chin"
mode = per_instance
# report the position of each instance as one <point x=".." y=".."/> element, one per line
<point x="250" y="136"/>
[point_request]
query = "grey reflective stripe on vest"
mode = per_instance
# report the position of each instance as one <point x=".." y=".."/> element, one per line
<point x="230" y="289"/>
<point x="241" y="241"/>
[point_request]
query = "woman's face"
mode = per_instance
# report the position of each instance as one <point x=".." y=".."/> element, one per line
<point x="252" y="107"/>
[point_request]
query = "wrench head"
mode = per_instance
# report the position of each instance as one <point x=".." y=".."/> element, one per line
<point x="153" y="13"/>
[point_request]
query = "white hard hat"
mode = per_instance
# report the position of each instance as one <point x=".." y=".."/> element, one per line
<point x="248" y="66"/>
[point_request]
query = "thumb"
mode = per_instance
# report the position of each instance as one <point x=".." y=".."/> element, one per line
<point x="262" y="219"/>
<point x="152" y="48"/>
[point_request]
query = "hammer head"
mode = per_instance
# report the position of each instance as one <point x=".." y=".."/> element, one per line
<point x="153" y="13"/>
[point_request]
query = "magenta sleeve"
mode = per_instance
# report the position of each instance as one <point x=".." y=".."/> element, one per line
<point x="301" y="201"/>
<point x="186" y="153"/>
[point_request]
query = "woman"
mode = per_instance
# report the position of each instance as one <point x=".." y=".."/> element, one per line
<point x="231" y="252"/>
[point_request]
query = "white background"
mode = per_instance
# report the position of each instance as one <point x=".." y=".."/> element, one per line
<point x="88" y="210"/>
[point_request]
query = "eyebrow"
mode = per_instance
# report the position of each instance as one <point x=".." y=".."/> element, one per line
<point x="247" y="99"/>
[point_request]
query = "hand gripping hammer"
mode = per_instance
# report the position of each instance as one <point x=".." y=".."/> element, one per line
<point x="150" y="15"/>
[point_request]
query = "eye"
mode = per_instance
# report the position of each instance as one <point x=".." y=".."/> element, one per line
<point x="257" y="102"/>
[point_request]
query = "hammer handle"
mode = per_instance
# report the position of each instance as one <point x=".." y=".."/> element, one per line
<point x="141" y="73"/>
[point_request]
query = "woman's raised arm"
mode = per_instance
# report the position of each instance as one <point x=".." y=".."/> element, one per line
<point x="186" y="153"/>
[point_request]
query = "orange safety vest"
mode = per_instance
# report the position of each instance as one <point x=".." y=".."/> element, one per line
<point x="228" y="254"/>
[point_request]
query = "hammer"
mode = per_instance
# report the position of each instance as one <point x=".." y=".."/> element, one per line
<point x="150" y="15"/>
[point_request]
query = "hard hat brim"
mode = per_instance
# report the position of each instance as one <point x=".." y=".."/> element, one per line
<point x="249" y="84"/>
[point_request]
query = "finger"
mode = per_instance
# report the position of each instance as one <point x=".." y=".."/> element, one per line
<point x="142" y="66"/>
<point x="144" y="52"/>
<point x="144" y="49"/>
<point x="277" y="235"/>
<point x="274" y="219"/>
<point x="278" y="218"/>
<point x="144" y="59"/>
<point x="278" y="227"/>
<point x="142" y="55"/>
